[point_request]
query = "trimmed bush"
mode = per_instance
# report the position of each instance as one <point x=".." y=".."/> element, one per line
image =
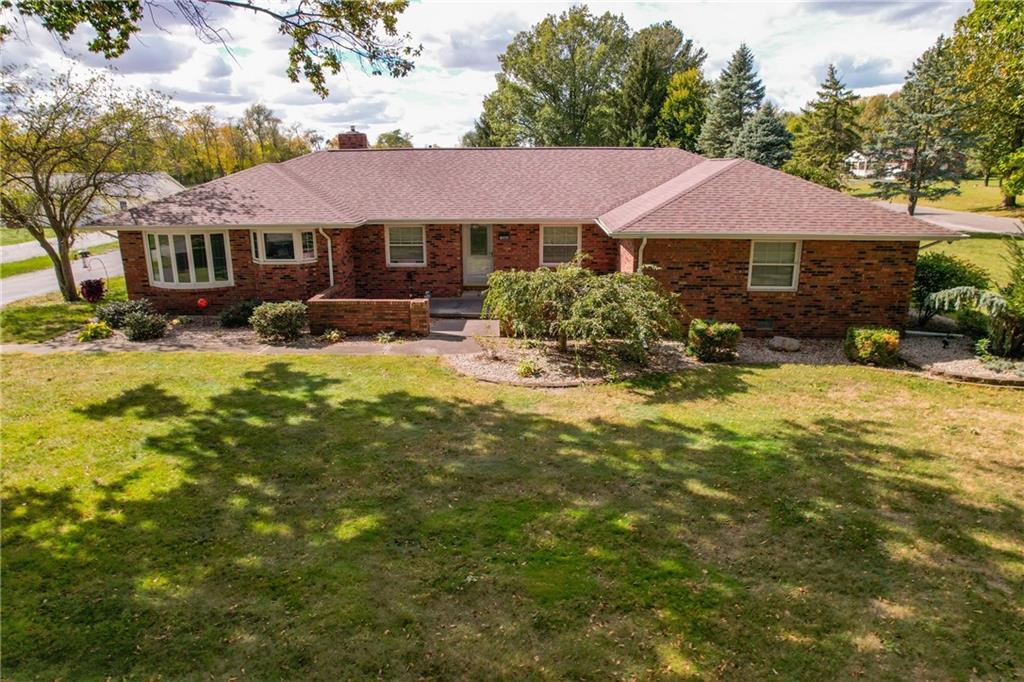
<point x="144" y="326"/>
<point x="238" y="314"/>
<point x="279" y="321"/>
<point x="711" y="341"/>
<point x="92" y="290"/>
<point x="872" y="345"/>
<point x="95" y="331"/>
<point x="939" y="271"/>
<point x="113" y="313"/>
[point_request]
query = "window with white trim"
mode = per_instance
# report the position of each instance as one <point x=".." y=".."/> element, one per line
<point x="188" y="260"/>
<point x="270" y="246"/>
<point x="406" y="245"/>
<point x="559" y="243"/>
<point x="774" y="265"/>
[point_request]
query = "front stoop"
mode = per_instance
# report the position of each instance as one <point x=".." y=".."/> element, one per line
<point x="465" y="307"/>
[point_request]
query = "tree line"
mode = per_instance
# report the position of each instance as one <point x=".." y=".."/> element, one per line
<point x="583" y="79"/>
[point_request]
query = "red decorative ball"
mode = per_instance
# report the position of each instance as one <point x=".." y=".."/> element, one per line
<point x="202" y="303"/>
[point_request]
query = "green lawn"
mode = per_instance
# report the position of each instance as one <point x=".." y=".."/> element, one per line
<point x="41" y="318"/>
<point x="44" y="263"/>
<point x="9" y="235"/>
<point x="314" y="517"/>
<point x="974" y="197"/>
<point x="985" y="250"/>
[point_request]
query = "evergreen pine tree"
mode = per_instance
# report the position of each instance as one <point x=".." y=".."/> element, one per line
<point x="764" y="139"/>
<point x="920" y="147"/>
<point x="829" y="133"/>
<point x="738" y="95"/>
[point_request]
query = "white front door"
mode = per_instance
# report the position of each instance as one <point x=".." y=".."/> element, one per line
<point x="477" y="257"/>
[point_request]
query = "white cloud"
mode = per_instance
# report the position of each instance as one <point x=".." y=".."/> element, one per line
<point x="873" y="44"/>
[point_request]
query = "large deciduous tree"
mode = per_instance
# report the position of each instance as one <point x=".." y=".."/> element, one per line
<point x="684" y="109"/>
<point x="988" y="45"/>
<point x="764" y="139"/>
<point x="66" y="144"/>
<point x="323" y="33"/>
<point x="828" y="134"/>
<point x="393" y="139"/>
<point x="656" y="54"/>
<point x="557" y="81"/>
<point x="738" y="94"/>
<point x="920" y="152"/>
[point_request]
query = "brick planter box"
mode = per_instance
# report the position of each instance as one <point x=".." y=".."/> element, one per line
<point x="409" y="316"/>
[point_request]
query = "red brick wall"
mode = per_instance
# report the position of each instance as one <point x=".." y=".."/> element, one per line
<point x="627" y="255"/>
<point x="841" y="283"/>
<point x="441" y="276"/>
<point x="368" y="316"/>
<point x="521" y="251"/>
<point x="280" y="282"/>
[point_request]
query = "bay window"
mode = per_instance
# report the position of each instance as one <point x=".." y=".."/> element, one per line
<point x="774" y="265"/>
<point x="283" y="247"/>
<point x="188" y="260"/>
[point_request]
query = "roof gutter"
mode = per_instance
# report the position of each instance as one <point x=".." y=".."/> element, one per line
<point x="792" y="235"/>
<point x="330" y="256"/>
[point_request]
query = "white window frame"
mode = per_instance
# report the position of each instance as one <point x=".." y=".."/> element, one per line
<point x="579" y="242"/>
<point x="257" y="246"/>
<point x="156" y="278"/>
<point x="796" y="265"/>
<point x="387" y="247"/>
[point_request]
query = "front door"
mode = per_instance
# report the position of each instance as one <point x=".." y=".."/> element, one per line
<point x="477" y="257"/>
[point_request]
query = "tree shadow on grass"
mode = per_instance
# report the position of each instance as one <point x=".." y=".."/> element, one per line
<point x="317" y="534"/>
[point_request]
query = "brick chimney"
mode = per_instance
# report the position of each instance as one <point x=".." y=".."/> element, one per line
<point x="351" y="139"/>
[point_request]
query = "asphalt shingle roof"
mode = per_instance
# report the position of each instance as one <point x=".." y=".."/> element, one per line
<point x="629" y="191"/>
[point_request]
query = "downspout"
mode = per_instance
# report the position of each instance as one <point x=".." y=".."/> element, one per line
<point x="640" y="255"/>
<point x="330" y="256"/>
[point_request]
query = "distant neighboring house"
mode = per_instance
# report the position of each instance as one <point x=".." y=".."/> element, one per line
<point x="367" y="236"/>
<point x="140" y="189"/>
<point x="859" y="165"/>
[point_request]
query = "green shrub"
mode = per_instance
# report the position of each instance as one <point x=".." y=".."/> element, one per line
<point x="527" y="368"/>
<point x="331" y="336"/>
<point x="238" y="314"/>
<point x="113" y="313"/>
<point x="386" y="337"/>
<point x="972" y="322"/>
<point x="872" y="345"/>
<point x="711" y="341"/>
<point x="571" y="302"/>
<point x="94" y="331"/>
<point x="279" y="321"/>
<point x="139" y="326"/>
<point x="939" y="271"/>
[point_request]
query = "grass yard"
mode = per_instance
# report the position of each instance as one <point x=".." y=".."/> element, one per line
<point x="20" y="267"/>
<point x="314" y="517"/>
<point x="974" y="197"/>
<point x="41" y="318"/>
<point x="10" y="235"/>
<point x="986" y="250"/>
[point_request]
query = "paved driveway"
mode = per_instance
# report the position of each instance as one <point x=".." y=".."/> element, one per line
<point x="15" y="288"/>
<point x="959" y="220"/>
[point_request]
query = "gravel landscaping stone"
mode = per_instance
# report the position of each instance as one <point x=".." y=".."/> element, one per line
<point x="784" y="343"/>
<point x="954" y="358"/>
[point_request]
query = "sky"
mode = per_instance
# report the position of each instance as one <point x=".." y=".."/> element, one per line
<point x="872" y="43"/>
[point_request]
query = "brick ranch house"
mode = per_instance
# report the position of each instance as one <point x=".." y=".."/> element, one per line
<point x="369" y="236"/>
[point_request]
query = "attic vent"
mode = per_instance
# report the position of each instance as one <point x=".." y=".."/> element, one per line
<point x="764" y="325"/>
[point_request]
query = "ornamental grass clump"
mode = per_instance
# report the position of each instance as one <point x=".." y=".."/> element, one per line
<point x="625" y="312"/>
<point x="872" y="346"/>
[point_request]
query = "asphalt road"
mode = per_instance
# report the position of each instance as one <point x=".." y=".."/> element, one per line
<point x="15" y="288"/>
<point x="958" y="220"/>
<point x="16" y="252"/>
